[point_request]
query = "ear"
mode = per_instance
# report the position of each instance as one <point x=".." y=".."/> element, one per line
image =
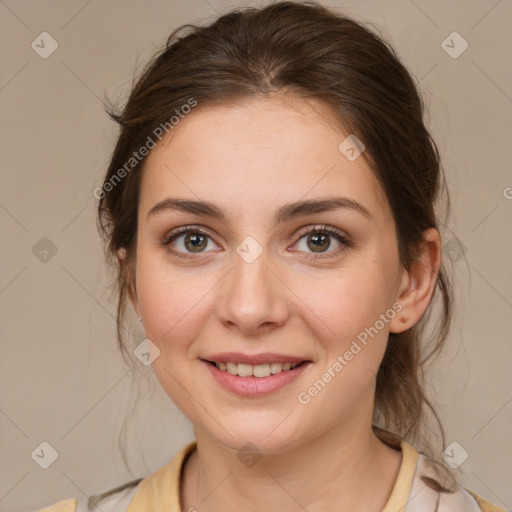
<point x="127" y="266"/>
<point x="418" y="283"/>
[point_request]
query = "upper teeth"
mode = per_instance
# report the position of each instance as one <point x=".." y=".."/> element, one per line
<point x="256" y="370"/>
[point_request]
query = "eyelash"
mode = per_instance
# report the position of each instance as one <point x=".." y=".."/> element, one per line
<point x="323" y="229"/>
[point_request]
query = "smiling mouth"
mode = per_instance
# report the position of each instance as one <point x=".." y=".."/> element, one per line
<point x="255" y="370"/>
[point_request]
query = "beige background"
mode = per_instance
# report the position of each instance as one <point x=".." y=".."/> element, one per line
<point x="62" y="378"/>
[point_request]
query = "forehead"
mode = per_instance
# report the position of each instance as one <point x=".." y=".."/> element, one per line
<point x="261" y="150"/>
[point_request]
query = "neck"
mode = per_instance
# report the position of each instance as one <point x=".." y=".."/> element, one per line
<point x="350" y="461"/>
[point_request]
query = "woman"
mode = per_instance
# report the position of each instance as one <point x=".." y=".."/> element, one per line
<point x="269" y="207"/>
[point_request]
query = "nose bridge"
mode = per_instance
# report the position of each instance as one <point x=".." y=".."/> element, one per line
<point x="252" y="296"/>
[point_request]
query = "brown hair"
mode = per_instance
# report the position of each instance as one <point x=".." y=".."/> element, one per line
<point x="310" y="51"/>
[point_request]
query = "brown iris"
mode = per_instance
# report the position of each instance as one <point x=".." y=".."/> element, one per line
<point x="318" y="237"/>
<point x="195" y="242"/>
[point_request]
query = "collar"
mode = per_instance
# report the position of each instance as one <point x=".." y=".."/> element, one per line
<point x="159" y="492"/>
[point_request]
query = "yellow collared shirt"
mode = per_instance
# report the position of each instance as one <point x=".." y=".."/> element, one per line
<point x="159" y="492"/>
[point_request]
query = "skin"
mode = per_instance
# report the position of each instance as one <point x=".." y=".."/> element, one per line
<point x="251" y="158"/>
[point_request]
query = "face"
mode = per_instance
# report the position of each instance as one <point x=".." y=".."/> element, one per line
<point x="249" y="286"/>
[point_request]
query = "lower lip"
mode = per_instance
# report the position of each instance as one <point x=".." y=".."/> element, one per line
<point x="255" y="386"/>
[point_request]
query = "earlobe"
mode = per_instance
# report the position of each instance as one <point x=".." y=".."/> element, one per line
<point x="418" y="283"/>
<point x="400" y="322"/>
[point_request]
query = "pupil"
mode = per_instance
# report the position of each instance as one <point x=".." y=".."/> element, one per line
<point x="195" y="240"/>
<point x="319" y="238"/>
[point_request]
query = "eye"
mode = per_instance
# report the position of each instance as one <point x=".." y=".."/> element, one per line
<point x="318" y="239"/>
<point x="188" y="239"/>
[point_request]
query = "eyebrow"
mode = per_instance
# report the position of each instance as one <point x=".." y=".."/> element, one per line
<point x="286" y="213"/>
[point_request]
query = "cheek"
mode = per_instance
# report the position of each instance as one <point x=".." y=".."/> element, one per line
<point x="344" y="314"/>
<point x="173" y="302"/>
<point x="175" y="308"/>
<point x="347" y="302"/>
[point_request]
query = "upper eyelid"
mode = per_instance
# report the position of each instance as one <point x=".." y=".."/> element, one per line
<point x="184" y="230"/>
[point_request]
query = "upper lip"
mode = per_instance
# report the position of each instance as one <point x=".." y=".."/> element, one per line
<point x="267" y="357"/>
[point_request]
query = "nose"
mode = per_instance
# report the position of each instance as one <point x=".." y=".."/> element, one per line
<point x="252" y="297"/>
